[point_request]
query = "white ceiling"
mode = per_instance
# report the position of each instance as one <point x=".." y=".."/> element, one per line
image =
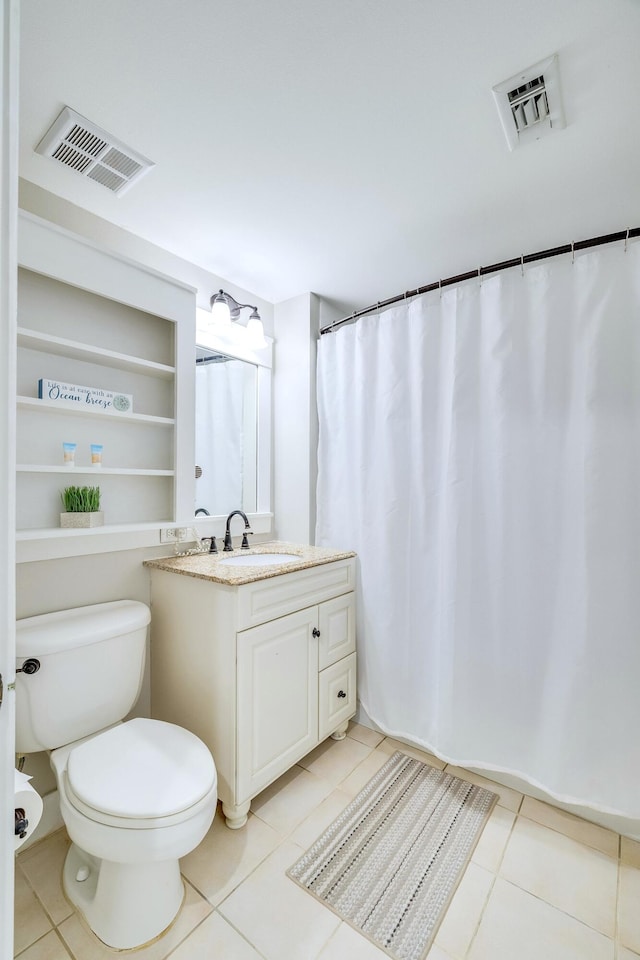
<point x="347" y="147"/>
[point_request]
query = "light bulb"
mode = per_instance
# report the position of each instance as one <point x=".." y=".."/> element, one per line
<point x="220" y="312"/>
<point x="255" y="332"/>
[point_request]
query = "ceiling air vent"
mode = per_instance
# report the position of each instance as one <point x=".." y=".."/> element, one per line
<point x="92" y="152"/>
<point x="529" y="104"/>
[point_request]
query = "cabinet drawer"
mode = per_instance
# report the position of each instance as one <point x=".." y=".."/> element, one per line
<point x="336" y="695"/>
<point x="337" y="624"/>
<point x="277" y="596"/>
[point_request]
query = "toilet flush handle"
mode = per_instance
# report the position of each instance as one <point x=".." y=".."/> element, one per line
<point x="29" y="666"/>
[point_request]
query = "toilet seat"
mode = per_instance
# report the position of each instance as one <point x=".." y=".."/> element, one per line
<point x="140" y="774"/>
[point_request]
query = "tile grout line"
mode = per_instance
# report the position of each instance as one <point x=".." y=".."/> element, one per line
<point x="567" y="836"/>
<point x="241" y="934"/>
<point x="240" y="882"/>
<point x="251" y="872"/>
<point x="27" y="881"/>
<point x="185" y="879"/>
<point x="546" y="826"/>
<point x="30" y="945"/>
<point x="481" y="917"/>
<point x="40" y="901"/>
<point x="58" y="936"/>
<point x="496" y="874"/>
<point x="64" y="943"/>
<point x="320" y="779"/>
<point x="199" y="924"/>
<point x="552" y="905"/>
<point x="184" y="940"/>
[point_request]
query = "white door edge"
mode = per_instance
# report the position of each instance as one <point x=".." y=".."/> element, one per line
<point x="9" y="40"/>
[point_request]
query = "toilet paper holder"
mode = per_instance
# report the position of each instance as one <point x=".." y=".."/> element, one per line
<point x="27" y="806"/>
<point x="22" y="824"/>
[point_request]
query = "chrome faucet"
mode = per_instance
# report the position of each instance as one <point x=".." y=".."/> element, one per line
<point x="228" y="545"/>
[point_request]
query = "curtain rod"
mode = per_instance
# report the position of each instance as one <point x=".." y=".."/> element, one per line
<point x="492" y="268"/>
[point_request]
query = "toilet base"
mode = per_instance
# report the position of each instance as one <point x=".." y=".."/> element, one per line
<point x="125" y="904"/>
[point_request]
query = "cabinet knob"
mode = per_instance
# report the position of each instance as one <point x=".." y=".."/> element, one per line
<point x="341" y="694"/>
<point x="315" y="632"/>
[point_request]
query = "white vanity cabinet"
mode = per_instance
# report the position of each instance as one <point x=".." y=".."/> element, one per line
<point x="262" y="672"/>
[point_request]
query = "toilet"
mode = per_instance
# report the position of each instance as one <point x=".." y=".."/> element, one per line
<point x="136" y="795"/>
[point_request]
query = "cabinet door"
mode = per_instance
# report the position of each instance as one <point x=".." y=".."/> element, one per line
<point x="337" y="623"/>
<point x="277" y="705"/>
<point x="337" y="686"/>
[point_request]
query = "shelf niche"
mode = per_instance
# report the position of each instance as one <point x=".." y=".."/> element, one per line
<point x="91" y="318"/>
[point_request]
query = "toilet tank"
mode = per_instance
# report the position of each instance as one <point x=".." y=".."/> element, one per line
<point x="91" y="665"/>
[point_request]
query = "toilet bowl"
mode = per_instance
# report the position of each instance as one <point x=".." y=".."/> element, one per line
<point x="134" y="800"/>
<point x="135" y="796"/>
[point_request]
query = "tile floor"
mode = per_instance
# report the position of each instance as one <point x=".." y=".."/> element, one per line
<point x="541" y="883"/>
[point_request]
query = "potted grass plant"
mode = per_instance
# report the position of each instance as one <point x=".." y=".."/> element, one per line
<point x="81" y="507"/>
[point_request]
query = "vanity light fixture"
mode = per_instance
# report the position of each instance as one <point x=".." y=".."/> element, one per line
<point x="225" y="309"/>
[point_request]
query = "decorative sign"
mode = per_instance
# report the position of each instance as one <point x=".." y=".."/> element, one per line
<point x="87" y="398"/>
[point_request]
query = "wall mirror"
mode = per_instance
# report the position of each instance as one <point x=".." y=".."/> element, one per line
<point x="226" y="433"/>
<point x="232" y="430"/>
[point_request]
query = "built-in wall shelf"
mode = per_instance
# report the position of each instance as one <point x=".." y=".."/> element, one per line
<point x="87" y="316"/>
<point x="58" y="407"/>
<point x="94" y="471"/>
<point x="62" y="533"/>
<point x="48" y="343"/>
<point x="56" y="543"/>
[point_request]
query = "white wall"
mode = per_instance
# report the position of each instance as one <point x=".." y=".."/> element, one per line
<point x="51" y="207"/>
<point x="295" y="418"/>
<point x="297" y="325"/>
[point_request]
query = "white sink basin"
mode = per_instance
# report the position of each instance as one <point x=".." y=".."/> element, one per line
<point x="259" y="560"/>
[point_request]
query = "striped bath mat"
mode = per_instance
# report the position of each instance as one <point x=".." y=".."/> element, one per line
<point x="389" y="865"/>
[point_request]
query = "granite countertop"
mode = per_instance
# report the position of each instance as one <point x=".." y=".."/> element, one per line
<point x="207" y="566"/>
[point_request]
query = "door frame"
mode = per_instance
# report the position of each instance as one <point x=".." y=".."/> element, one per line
<point x="9" y="42"/>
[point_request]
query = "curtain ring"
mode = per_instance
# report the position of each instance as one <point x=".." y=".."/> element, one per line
<point x="480" y="275"/>
<point x="573" y="253"/>
<point x="626" y="240"/>
<point x="440" y="288"/>
<point x="522" y="265"/>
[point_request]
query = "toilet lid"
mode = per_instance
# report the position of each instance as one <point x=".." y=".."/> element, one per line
<point x="141" y="769"/>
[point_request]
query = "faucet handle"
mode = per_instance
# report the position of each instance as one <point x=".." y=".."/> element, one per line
<point x="213" y="547"/>
<point x="245" y="542"/>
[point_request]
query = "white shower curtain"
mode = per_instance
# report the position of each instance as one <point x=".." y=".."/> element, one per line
<point x="480" y="450"/>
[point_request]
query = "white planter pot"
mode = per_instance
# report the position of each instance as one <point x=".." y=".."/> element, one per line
<point x="95" y="519"/>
